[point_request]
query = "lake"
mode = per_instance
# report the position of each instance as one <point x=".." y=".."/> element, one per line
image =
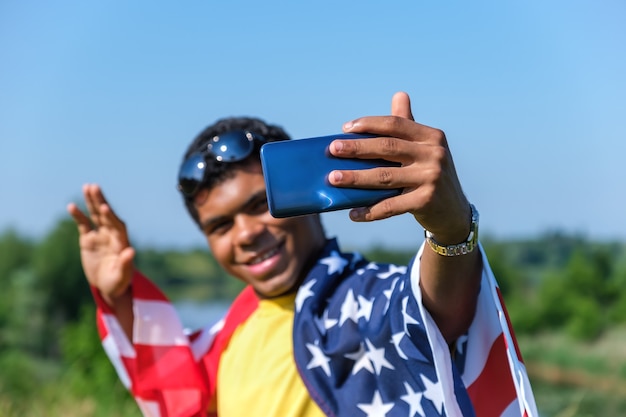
<point x="195" y="315"/>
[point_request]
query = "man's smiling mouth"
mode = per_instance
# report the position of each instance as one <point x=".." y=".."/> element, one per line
<point x="266" y="255"/>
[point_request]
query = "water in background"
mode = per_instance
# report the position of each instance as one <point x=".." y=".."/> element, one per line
<point x="195" y="315"/>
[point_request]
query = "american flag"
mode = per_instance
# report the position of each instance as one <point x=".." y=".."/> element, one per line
<point x="363" y="344"/>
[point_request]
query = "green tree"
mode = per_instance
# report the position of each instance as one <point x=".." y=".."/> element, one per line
<point x="20" y="299"/>
<point x="579" y="297"/>
<point x="58" y="267"/>
<point x="618" y="285"/>
<point x="15" y="252"/>
<point x="60" y="279"/>
<point x="86" y="369"/>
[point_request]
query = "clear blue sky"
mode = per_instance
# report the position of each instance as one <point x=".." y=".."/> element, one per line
<point x="532" y="97"/>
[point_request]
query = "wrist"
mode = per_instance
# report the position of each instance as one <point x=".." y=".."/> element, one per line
<point x="442" y="246"/>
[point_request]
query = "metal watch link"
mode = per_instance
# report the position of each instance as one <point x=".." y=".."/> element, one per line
<point x="462" y="248"/>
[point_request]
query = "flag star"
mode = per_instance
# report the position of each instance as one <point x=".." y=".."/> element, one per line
<point x="304" y="292"/>
<point x="349" y="308"/>
<point x="393" y="269"/>
<point x="334" y="262"/>
<point x="356" y="258"/>
<point x="365" y="308"/>
<point x="377" y="356"/>
<point x="361" y="359"/>
<point x="370" y="265"/>
<point x="387" y="293"/>
<point x="414" y="400"/>
<point x="407" y="318"/>
<point x="433" y="393"/>
<point x="324" y="323"/>
<point x="318" y="359"/>
<point x="396" y="339"/>
<point x="376" y="408"/>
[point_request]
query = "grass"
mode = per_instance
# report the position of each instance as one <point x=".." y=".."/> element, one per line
<point x="568" y="401"/>
<point x="57" y="403"/>
<point x="605" y="357"/>
<point x="576" y="379"/>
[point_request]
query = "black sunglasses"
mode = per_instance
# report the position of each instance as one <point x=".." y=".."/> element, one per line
<point x="228" y="147"/>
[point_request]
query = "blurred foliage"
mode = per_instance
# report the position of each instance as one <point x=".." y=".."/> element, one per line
<point x="190" y="275"/>
<point x="51" y="355"/>
<point x="560" y="401"/>
<point x="560" y="282"/>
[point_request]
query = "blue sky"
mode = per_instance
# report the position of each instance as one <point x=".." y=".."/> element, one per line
<point x="532" y="97"/>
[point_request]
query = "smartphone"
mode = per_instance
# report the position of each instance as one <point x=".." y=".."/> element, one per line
<point x="296" y="177"/>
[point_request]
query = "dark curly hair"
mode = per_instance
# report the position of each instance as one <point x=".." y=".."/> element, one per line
<point x="216" y="171"/>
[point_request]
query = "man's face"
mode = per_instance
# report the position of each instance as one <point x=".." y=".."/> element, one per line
<point x="268" y="253"/>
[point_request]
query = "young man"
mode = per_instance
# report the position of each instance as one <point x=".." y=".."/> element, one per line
<point x="317" y="331"/>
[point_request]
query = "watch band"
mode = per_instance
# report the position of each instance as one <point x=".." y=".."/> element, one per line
<point x="462" y="248"/>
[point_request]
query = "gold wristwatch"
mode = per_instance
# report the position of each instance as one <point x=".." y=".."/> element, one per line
<point x="462" y="248"/>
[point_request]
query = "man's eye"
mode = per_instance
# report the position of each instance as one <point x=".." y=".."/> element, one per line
<point x="218" y="228"/>
<point x="260" y="206"/>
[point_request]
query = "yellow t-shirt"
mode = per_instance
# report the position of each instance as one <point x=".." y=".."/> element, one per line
<point x="257" y="375"/>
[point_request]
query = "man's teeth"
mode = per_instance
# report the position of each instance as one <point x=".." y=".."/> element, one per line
<point x="265" y="256"/>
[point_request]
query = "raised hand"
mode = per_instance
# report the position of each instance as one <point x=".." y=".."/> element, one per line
<point x="432" y="191"/>
<point x="106" y="254"/>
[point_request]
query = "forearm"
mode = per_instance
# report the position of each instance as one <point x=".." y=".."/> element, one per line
<point x="122" y="307"/>
<point x="151" y="352"/>
<point x="450" y="286"/>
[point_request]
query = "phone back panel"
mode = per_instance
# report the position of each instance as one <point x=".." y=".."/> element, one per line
<point x="296" y="174"/>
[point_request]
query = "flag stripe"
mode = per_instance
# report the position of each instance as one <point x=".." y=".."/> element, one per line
<point x="156" y="323"/>
<point x="518" y="353"/>
<point x="489" y="398"/>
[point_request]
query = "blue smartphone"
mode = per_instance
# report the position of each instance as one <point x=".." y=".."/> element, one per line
<point x="296" y="173"/>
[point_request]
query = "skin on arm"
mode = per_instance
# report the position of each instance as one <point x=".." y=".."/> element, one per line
<point x="106" y="254"/>
<point x="432" y="194"/>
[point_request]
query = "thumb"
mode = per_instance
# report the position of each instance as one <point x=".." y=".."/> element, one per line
<point x="401" y="105"/>
<point x="126" y="265"/>
<point x="126" y="257"/>
<point x="126" y="261"/>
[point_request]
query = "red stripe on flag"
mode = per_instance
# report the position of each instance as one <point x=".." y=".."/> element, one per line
<point x="494" y="390"/>
<point x="144" y="289"/>
<point x="184" y="403"/>
<point x="101" y="326"/>
<point x="168" y="376"/>
<point x="167" y="367"/>
<point x="241" y="308"/>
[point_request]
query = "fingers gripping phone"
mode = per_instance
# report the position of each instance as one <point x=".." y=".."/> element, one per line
<point x="296" y="177"/>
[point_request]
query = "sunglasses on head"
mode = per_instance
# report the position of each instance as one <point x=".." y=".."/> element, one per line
<point x="227" y="147"/>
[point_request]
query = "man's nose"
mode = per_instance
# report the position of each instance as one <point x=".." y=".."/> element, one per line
<point x="247" y="228"/>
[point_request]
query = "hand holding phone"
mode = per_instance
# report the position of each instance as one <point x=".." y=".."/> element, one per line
<point x="296" y="177"/>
